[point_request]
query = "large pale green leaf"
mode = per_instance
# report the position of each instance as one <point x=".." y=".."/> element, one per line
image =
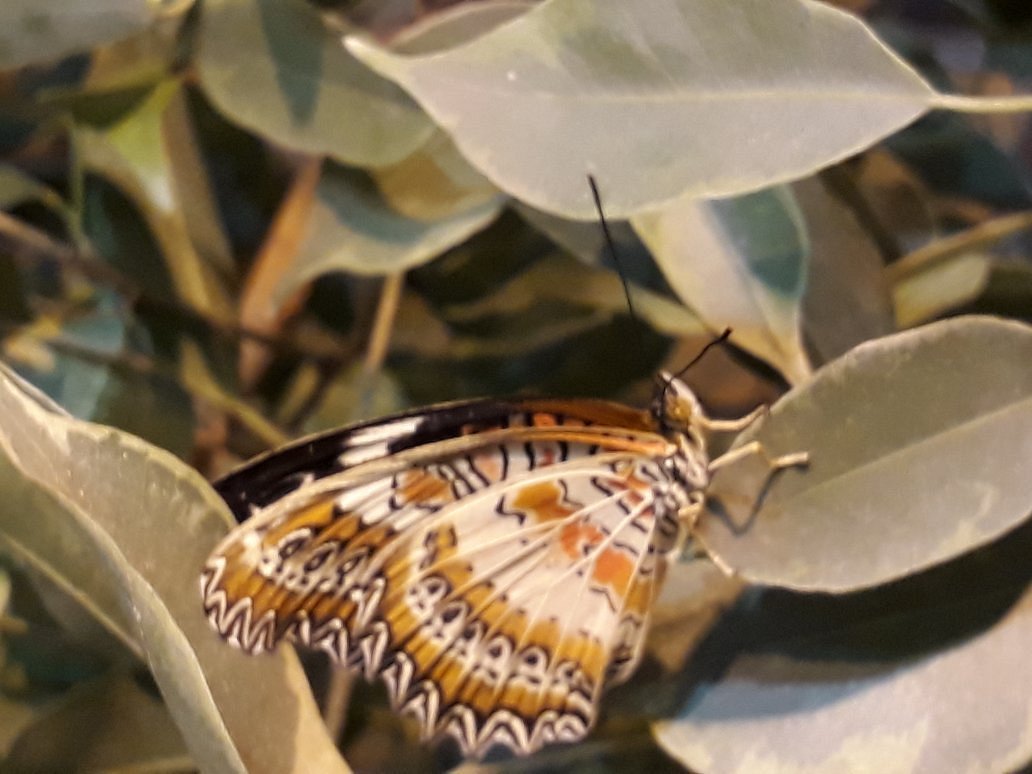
<point x="275" y="68"/>
<point x="927" y="675"/>
<point x="741" y="263"/>
<point x="125" y="527"/>
<point x="919" y="446"/>
<point x="660" y="98"/>
<point x="457" y="24"/>
<point x="35" y="31"/>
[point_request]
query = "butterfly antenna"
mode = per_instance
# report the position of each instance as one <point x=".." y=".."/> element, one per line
<point x="611" y="245"/>
<point x="709" y="345"/>
<point x="659" y="405"/>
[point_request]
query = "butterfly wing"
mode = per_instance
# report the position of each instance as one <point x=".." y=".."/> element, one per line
<point x="496" y="580"/>
<point x="269" y="477"/>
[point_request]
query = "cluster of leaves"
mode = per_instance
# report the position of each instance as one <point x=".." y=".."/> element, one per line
<point x="226" y="223"/>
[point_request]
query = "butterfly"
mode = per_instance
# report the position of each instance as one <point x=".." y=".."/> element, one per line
<point x="493" y="561"/>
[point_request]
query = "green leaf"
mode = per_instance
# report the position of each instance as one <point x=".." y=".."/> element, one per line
<point x="353" y="229"/>
<point x="41" y="30"/>
<point x="81" y="362"/>
<point x="354" y="395"/>
<point x="949" y="271"/>
<point x="918" y="446"/>
<point x="587" y="241"/>
<point x="562" y="279"/>
<point x="17" y="188"/>
<point x="946" y="285"/>
<point x="81" y="382"/>
<point x="457" y="24"/>
<point x="108" y="724"/>
<point x="847" y="300"/>
<point x="693" y="597"/>
<point x="15" y="717"/>
<point x="926" y="675"/>
<point x="272" y="66"/>
<point x="124" y="527"/>
<point x="660" y="99"/>
<point x="435" y="183"/>
<point x="132" y="154"/>
<point x="738" y="263"/>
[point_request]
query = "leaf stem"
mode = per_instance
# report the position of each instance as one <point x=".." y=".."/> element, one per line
<point x="966" y="104"/>
<point x="982" y="235"/>
<point x="383" y="323"/>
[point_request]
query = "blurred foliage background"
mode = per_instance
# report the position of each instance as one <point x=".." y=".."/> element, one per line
<point x="220" y="230"/>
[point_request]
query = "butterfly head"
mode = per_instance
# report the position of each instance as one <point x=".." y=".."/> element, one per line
<point x="675" y="409"/>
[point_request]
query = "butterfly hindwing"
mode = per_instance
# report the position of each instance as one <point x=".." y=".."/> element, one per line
<point x="509" y="626"/>
<point x="497" y="571"/>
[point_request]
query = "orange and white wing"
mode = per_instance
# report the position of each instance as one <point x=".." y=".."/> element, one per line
<point x="495" y="582"/>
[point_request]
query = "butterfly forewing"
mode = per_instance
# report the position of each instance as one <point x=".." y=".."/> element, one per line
<point x="494" y="562"/>
<point x="269" y="477"/>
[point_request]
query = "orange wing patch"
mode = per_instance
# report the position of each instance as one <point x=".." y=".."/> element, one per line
<point x="614" y="568"/>
<point x="578" y="540"/>
<point x="543" y="501"/>
<point x="419" y="485"/>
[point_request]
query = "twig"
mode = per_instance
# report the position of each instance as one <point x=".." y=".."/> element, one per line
<point x="383" y="323"/>
<point x="982" y="235"/>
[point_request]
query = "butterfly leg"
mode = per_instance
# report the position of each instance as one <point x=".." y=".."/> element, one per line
<point x="774" y="466"/>
<point x="795" y="459"/>
<point x="734" y="425"/>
